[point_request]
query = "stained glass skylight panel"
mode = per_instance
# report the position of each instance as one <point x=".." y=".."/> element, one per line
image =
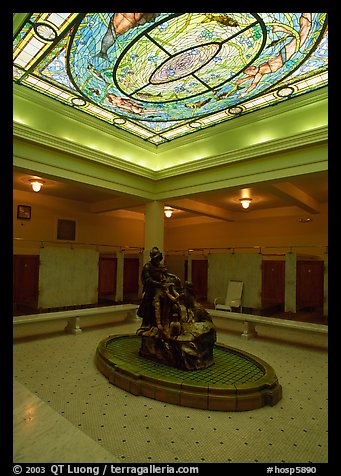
<point x="160" y="76"/>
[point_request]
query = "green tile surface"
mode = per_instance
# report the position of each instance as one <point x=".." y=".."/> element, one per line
<point x="230" y="367"/>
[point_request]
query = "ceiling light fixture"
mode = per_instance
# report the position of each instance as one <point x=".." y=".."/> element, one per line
<point x="168" y="211"/>
<point x="36" y="184"/>
<point x="245" y="202"/>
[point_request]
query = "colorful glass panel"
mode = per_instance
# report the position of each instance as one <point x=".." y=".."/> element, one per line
<point x="164" y="75"/>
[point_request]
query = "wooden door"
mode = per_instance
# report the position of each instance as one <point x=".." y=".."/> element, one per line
<point x="199" y="277"/>
<point x="107" y="267"/>
<point x="131" y="279"/>
<point x="26" y="280"/>
<point x="309" y="284"/>
<point x="273" y="285"/>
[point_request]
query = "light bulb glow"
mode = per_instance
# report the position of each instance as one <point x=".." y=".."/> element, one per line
<point x="36" y="185"/>
<point x="245" y="202"/>
<point x="168" y="211"/>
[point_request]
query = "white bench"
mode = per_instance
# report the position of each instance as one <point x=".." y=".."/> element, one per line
<point x="250" y="321"/>
<point x="73" y="317"/>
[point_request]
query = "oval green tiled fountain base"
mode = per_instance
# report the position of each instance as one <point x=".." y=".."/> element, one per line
<point x="237" y="381"/>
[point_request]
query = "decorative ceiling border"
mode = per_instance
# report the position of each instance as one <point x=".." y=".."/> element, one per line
<point x="314" y="136"/>
<point x="45" y="139"/>
<point x="75" y="114"/>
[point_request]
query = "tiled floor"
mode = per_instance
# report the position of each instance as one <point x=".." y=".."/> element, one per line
<point x="65" y="410"/>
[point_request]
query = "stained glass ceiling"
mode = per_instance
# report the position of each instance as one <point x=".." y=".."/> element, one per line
<point x="161" y="76"/>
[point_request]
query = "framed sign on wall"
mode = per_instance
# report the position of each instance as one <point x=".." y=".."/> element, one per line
<point x="24" y="212"/>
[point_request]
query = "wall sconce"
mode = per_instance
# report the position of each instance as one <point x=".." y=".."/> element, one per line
<point x="245" y="202"/>
<point x="168" y="211"/>
<point x="36" y="184"/>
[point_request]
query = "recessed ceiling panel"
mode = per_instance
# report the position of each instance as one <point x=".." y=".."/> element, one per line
<point x="160" y="76"/>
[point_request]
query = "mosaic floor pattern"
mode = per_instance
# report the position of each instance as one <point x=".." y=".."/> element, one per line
<point x="58" y="390"/>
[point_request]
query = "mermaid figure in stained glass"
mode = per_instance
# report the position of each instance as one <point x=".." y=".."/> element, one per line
<point x="119" y="24"/>
<point x="256" y="73"/>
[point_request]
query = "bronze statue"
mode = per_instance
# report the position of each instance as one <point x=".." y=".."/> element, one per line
<point x="159" y="293"/>
<point x="175" y="329"/>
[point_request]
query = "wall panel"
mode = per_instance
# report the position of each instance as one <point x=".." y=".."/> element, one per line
<point x="244" y="267"/>
<point x="67" y="277"/>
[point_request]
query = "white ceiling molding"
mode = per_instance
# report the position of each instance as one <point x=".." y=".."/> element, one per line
<point x="270" y="147"/>
<point x="314" y="136"/>
<point x="25" y="132"/>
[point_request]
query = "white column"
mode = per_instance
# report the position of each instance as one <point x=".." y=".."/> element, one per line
<point x="290" y="282"/>
<point x="119" y="276"/>
<point x="153" y="228"/>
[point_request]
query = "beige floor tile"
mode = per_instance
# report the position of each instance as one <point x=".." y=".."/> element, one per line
<point x="58" y="376"/>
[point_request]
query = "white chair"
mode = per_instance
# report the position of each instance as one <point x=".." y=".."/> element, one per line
<point x="233" y="297"/>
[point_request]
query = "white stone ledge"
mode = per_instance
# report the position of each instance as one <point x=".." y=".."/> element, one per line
<point x="93" y="316"/>
<point x="309" y="333"/>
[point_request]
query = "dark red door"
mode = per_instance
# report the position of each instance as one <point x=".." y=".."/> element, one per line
<point x="199" y="277"/>
<point x="273" y="284"/>
<point x="309" y="284"/>
<point x="26" y="280"/>
<point x="107" y="276"/>
<point x="131" y="278"/>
